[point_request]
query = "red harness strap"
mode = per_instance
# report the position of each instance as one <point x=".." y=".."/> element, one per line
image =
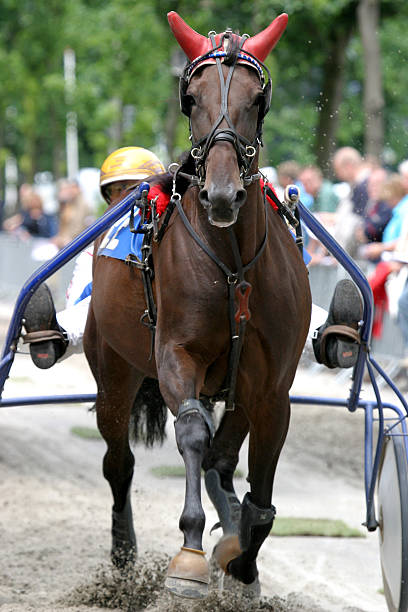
<point x="271" y="202"/>
<point x="162" y="200"/>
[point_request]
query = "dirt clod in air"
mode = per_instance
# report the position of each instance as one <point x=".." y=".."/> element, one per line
<point x="141" y="587"/>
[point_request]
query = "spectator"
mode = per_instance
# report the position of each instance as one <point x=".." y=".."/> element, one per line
<point x="403" y="172"/>
<point x="74" y="214"/>
<point x="394" y="238"/>
<point x="396" y="285"/>
<point x="378" y="211"/>
<point x="32" y="220"/>
<point x="324" y="197"/>
<point x="288" y="174"/>
<point x="350" y="167"/>
<point x="324" y="204"/>
<point x="402" y="305"/>
<point x="394" y="194"/>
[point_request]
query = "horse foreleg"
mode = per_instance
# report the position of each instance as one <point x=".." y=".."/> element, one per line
<point x="267" y="436"/>
<point x="103" y="363"/>
<point x="118" y="464"/>
<point x="188" y="572"/>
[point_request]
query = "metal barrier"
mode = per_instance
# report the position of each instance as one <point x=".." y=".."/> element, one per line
<point x="17" y="263"/>
<point x="21" y="258"/>
<point x="323" y="279"/>
<point x="54" y="265"/>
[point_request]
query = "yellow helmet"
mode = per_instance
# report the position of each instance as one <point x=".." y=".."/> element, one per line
<point x="129" y="163"/>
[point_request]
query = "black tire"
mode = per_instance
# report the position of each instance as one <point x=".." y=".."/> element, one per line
<point x="392" y="495"/>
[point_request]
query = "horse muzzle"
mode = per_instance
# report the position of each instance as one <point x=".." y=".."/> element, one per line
<point x="222" y="205"/>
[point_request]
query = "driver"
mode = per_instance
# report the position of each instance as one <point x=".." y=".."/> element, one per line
<point x="55" y="336"/>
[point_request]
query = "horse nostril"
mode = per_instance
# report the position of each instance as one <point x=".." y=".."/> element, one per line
<point x="240" y="198"/>
<point x="203" y="196"/>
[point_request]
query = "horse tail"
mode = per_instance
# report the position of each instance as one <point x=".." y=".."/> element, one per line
<point x="149" y="414"/>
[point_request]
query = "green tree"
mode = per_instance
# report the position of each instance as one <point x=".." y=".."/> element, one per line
<point x="127" y="88"/>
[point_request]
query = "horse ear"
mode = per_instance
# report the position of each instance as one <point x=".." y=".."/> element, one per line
<point x="262" y="44"/>
<point x="193" y="44"/>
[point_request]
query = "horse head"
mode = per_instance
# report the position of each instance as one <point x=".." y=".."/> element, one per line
<point x="224" y="92"/>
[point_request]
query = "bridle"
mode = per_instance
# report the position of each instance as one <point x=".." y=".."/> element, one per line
<point x="245" y="149"/>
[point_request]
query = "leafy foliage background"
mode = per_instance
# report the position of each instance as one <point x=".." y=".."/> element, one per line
<point x="126" y="88"/>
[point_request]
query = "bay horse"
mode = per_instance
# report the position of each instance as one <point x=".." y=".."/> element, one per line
<point x="232" y="304"/>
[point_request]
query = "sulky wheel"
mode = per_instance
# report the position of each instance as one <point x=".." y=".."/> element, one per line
<point x="393" y="522"/>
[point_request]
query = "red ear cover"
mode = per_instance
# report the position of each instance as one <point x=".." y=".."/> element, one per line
<point x="262" y="44"/>
<point x="194" y="44"/>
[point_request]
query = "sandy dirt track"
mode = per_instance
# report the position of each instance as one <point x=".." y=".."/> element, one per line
<point x="55" y="508"/>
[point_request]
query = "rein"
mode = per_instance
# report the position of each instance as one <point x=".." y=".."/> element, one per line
<point x="238" y="288"/>
<point x="239" y="291"/>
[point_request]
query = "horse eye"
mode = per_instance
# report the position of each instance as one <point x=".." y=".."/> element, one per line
<point x="259" y="99"/>
<point x="189" y="101"/>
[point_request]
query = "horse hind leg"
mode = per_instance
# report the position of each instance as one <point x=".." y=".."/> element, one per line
<point x="117" y="385"/>
<point x="149" y="419"/>
<point x="114" y="403"/>
<point x="124" y="545"/>
<point x="118" y="465"/>
<point x="220" y="464"/>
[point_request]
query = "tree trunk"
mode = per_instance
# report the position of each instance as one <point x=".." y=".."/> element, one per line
<point x="368" y="13"/>
<point x="1" y="167"/>
<point x="2" y="185"/>
<point x="172" y="119"/>
<point x="57" y="147"/>
<point x="178" y="61"/>
<point x="330" y="100"/>
<point x="115" y="130"/>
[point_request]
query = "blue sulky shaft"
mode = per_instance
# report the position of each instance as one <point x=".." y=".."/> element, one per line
<point x="50" y="267"/>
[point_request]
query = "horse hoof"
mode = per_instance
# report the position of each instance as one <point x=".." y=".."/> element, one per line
<point x="228" y="548"/>
<point x="188" y="574"/>
<point x="189" y="589"/>
<point x="249" y="591"/>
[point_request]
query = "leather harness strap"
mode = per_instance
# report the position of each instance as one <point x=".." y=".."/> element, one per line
<point x="238" y="289"/>
<point x="40" y="336"/>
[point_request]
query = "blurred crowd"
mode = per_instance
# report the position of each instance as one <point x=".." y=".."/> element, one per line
<point x="365" y="208"/>
<point x="73" y="214"/>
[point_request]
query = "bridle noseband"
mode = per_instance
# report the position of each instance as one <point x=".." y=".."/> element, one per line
<point x="245" y="149"/>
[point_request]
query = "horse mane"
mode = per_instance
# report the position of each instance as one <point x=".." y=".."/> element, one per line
<point x="165" y="179"/>
<point x="233" y="48"/>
